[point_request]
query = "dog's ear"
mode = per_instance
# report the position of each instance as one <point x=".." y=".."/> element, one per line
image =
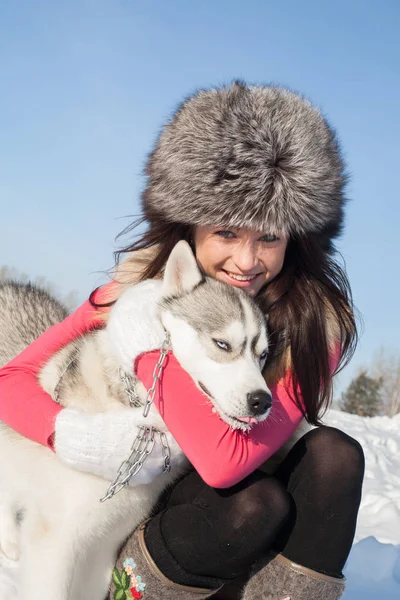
<point x="182" y="273"/>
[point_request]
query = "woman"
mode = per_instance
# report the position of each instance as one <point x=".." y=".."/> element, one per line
<point x="252" y="178"/>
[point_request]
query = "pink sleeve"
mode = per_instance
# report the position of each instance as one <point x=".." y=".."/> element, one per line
<point x="24" y="405"/>
<point x="221" y="456"/>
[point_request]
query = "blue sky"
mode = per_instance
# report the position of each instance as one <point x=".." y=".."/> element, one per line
<point x="85" y="87"/>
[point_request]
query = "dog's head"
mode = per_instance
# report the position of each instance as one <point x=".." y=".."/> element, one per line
<point x="219" y="336"/>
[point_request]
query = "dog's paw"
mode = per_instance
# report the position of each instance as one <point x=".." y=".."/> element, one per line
<point x="9" y="532"/>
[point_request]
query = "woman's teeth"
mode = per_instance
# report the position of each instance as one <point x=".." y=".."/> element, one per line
<point x="241" y="277"/>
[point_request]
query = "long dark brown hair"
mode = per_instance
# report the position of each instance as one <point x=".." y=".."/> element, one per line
<point x="309" y="305"/>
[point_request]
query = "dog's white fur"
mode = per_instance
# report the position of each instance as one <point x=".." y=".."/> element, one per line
<point x="68" y="539"/>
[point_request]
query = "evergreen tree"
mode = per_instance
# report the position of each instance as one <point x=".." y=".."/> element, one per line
<point x="363" y="397"/>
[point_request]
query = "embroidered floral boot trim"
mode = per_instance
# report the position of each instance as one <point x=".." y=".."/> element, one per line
<point x="137" y="576"/>
<point x="278" y="578"/>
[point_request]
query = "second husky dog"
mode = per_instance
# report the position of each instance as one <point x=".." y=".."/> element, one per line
<point x="68" y="539"/>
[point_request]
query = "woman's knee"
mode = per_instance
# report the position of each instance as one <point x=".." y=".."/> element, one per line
<point x="264" y="502"/>
<point x="332" y="451"/>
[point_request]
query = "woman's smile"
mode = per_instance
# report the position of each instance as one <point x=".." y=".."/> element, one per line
<point x="240" y="280"/>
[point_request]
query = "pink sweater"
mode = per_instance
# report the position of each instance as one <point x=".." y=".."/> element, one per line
<point x="221" y="455"/>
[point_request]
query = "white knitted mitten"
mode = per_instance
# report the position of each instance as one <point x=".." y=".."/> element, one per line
<point x="98" y="443"/>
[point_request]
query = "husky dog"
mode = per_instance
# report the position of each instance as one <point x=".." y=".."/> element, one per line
<point x="68" y="539"/>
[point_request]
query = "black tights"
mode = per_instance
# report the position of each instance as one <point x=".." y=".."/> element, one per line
<point x="307" y="511"/>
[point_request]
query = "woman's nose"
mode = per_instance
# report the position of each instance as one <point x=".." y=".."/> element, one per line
<point x="245" y="258"/>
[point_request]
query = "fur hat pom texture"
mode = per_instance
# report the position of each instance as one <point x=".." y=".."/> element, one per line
<point x="260" y="157"/>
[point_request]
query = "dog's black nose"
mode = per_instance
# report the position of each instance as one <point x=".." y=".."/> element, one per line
<point x="259" y="402"/>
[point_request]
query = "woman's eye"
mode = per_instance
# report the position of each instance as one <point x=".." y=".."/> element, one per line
<point x="270" y="238"/>
<point x="225" y="234"/>
<point x="223" y="345"/>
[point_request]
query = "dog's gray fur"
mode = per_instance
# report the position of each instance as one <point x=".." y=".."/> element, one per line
<point x="210" y="317"/>
<point x="260" y="157"/>
<point x="25" y="312"/>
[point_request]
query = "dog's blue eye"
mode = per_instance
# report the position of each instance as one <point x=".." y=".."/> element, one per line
<point x="263" y="355"/>
<point x="223" y="345"/>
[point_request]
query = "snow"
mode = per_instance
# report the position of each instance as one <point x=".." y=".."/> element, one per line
<point x="373" y="571"/>
<point x="373" y="568"/>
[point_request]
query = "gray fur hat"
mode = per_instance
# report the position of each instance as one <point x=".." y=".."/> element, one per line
<point x="260" y="157"/>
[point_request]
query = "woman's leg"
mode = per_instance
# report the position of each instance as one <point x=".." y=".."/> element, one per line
<point x="203" y="538"/>
<point x="323" y="474"/>
<point x="205" y="532"/>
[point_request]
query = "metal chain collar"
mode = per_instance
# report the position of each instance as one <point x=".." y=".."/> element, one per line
<point x="145" y="440"/>
<point x="130" y="388"/>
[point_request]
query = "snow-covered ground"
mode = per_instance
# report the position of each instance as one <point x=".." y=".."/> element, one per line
<point x="373" y="568"/>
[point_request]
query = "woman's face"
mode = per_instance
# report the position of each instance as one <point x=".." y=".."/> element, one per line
<point x="241" y="257"/>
